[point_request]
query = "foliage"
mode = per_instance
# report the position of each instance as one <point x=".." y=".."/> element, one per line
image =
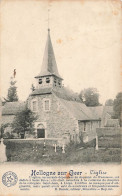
<point x="109" y="102"/>
<point x="117" y="107"/>
<point x="12" y="92"/>
<point x="90" y="97"/>
<point x="8" y="135"/>
<point x="23" y="151"/>
<point x="2" y="128"/>
<point x="24" y="121"/>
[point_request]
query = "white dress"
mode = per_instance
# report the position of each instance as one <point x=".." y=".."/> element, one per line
<point x="3" y="156"/>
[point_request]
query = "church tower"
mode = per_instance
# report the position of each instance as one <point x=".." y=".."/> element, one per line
<point x="49" y="75"/>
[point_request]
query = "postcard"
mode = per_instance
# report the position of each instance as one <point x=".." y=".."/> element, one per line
<point x="61" y="97"/>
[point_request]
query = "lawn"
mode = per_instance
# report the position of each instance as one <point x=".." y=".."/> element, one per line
<point x="34" y="152"/>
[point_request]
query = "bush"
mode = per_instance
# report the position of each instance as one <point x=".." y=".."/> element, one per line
<point x="8" y="135"/>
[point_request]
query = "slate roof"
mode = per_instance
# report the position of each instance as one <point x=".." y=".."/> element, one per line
<point x="62" y="92"/>
<point x="49" y="66"/>
<point x="98" y="111"/>
<point x="42" y="91"/>
<point x="79" y="110"/>
<point x="108" y="109"/>
<point x="67" y="94"/>
<point x="11" y="108"/>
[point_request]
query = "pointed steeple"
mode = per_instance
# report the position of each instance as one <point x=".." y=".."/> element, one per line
<point x="49" y="66"/>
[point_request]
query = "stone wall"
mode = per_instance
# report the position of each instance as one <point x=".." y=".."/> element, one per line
<point x="107" y="131"/>
<point x="109" y="137"/>
<point x="58" y="122"/>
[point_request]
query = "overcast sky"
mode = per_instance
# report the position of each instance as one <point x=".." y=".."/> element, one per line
<point x="86" y="37"/>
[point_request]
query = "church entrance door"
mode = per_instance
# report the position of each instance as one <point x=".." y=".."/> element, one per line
<point x="40" y="133"/>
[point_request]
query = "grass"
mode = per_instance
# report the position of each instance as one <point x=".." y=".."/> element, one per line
<point x="33" y="151"/>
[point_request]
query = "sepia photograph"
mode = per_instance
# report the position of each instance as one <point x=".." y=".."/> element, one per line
<point x="60" y="87"/>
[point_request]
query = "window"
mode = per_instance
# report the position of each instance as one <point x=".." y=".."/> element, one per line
<point x="47" y="80"/>
<point x="59" y="83"/>
<point x="46" y="105"/>
<point x="34" y="106"/>
<point x="40" y="81"/>
<point x="55" y="81"/>
<point x="84" y="126"/>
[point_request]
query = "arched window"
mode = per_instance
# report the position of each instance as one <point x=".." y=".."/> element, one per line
<point x="40" y="131"/>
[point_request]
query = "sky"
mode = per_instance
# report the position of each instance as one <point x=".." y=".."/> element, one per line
<point x="86" y="38"/>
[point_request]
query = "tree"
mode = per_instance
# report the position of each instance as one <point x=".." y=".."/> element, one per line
<point x="24" y="121"/>
<point x="90" y="97"/>
<point x="109" y="102"/>
<point x="2" y="128"/>
<point x="117" y="107"/>
<point x="12" y="92"/>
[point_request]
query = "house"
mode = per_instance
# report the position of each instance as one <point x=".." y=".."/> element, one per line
<point x="9" y="109"/>
<point x="105" y="114"/>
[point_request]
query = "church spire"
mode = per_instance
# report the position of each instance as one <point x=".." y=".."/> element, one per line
<point x="49" y="66"/>
<point x="49" y="75"/>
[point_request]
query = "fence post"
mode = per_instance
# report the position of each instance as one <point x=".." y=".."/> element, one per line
<point x="63" y="149"/>
<point x="55" y="147"/>
<point x="96" y="142"/>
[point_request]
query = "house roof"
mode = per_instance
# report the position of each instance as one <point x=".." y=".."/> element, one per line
<point x="62" y="92"/>
<point x="112" y="122"/>
<point x="66" y="93"/>
<point x="42" y="91"/>
<point x="79" y="110"/>
<point x="100" y="111"/>
<point x="49" y="66"/>
<point x="11" y="108"/>
<point x="108" y="109"/>
<point x="97" y="110"/>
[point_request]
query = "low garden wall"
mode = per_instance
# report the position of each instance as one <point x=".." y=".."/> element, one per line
<point x="109" y="137"/>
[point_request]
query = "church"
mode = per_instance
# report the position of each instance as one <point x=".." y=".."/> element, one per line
<point x="61" y="114"/>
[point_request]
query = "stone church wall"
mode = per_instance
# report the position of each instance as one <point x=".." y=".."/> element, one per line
<point x="58" y="122"/>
